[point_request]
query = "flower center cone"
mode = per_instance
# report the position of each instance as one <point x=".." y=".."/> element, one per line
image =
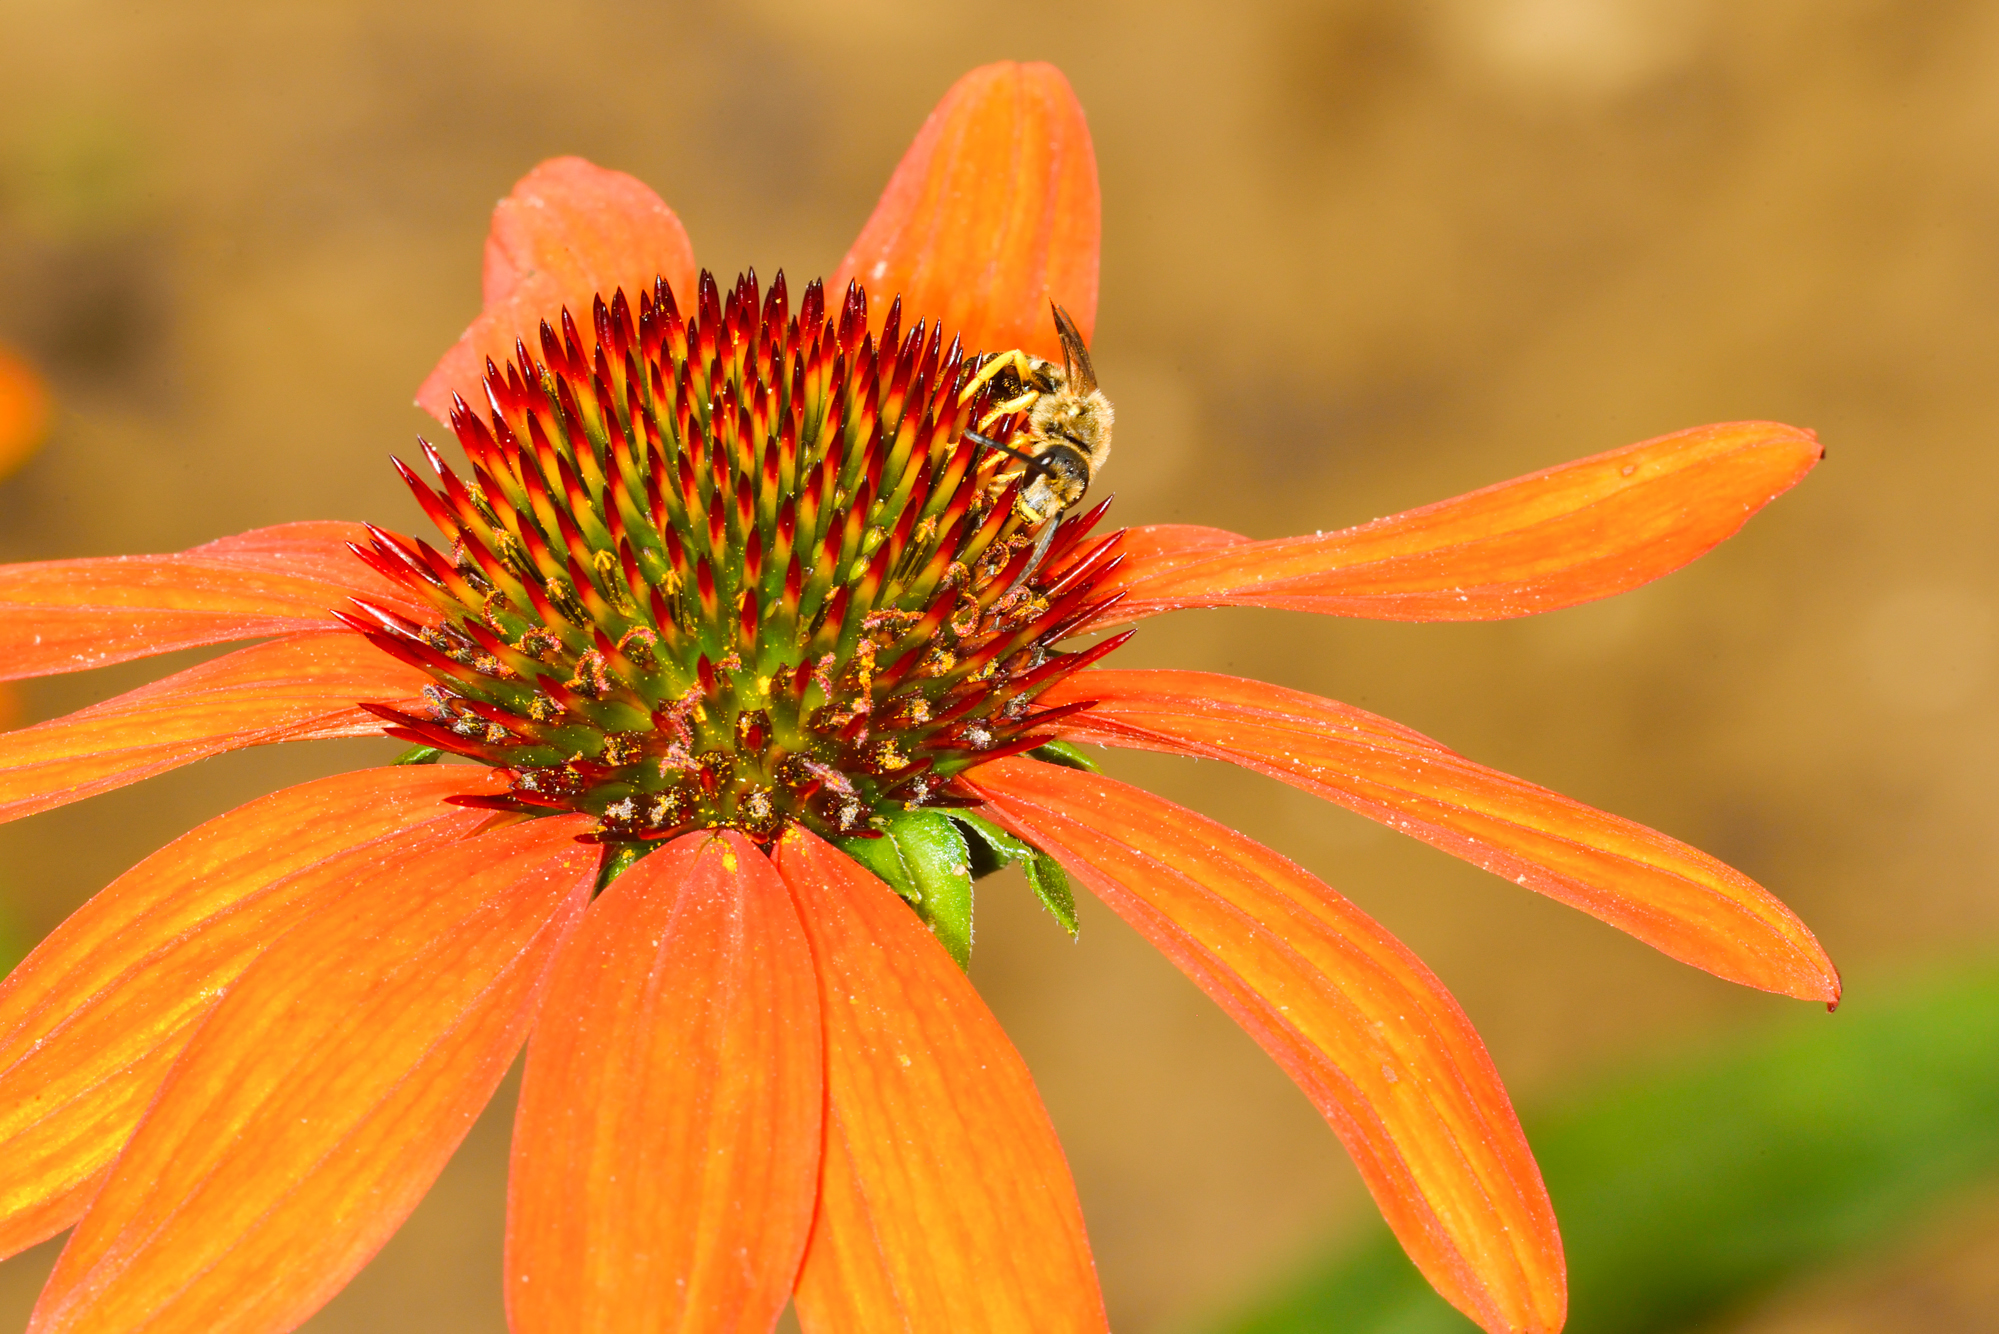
<point x="735" y="570"/>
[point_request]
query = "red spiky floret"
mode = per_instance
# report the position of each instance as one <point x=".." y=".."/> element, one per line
<point x="736" y="571"/>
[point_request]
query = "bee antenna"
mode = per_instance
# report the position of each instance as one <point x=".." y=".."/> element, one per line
<point x="1035" y="464"/>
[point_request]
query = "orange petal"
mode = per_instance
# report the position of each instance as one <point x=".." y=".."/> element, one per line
<point x="1551" y="539"/>
<point x="1365" y="1029"/>
<point x="1675" y="898"/>
<point x="290" y="689"/>
<point x="93" y="1019"/>
<point x="66" y="615"/>
<point x="944" y="1200"/>
<point x="992" y="213"/>
<point x="1159" y="546"/>
<point x="666" y="1153"/>
<point x="322" y="1096"/>
<point x="24" y="411"/>
<point x="570" y="231"/>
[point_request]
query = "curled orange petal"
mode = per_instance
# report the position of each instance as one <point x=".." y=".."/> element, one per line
<point x="291" y="689"/>
<point x="1365" y="1029"/>
<point x="992" y="213"/>
<point x="321" y="1097"/>
<point x="1675" y="898"/>
<point x="1551" y="539"/>
<point x="569" y="231"/>
<point x="66" y="615"/>
<point x="24" y="411"/>
<point x="666" y="1153"/>
<point x="945" y="1202"/>
<point x="93" y="1018"/>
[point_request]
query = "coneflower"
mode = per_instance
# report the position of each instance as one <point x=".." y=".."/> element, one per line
<point x="757" y="665"/>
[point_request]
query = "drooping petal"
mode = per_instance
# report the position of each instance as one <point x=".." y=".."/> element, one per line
<point x="1365" y="1029"/>
<point x="569" y="231"/>
<point x="945" y="1202"/>
<point x="666" y="1152"/>
<point x="320" y="1099"/>
<point x="1550" y="539"/>
<point x="291" y="689"/>
<point x="91" y="1021"/>
<point x="66" y="615"/>
<point x="1673" y="897"/>
<point x="992" y="214"/>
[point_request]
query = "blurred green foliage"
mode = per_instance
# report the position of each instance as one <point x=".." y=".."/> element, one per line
<point x="1685" y="1191"/>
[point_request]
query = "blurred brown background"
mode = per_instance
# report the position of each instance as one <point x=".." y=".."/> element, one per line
<point x="1357" y="257"/>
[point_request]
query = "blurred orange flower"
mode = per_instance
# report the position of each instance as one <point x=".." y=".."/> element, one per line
<point x="751" y="646"/>
<point x="24" y="420"/>
<point x="24" y="411"/>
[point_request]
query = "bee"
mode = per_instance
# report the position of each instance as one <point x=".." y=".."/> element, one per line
<point x="1068" y="427"/>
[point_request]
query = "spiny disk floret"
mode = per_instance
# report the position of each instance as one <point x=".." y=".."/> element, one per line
<point x="732" y="570"/>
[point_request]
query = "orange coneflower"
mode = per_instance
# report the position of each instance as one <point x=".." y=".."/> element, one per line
<point x="759" y="663"/>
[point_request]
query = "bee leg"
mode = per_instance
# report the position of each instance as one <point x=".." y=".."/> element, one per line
<point x="999" y="362"/>
<point x="1026" y="400"/>
<point x="1041" y="544"/>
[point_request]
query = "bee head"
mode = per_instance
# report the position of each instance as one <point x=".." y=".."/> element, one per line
<point x="1061" y="474"/>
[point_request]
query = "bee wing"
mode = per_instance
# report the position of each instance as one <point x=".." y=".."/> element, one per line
<point x="1075" y="356"/>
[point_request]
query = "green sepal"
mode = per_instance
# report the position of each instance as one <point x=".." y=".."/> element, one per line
<point x="992" y="843"/>
<point x="623" y="857"/>
<point x="923" y="857"/>
<point x="419" y="755"/>
<point x="941" y="865"/>
<point x="985" y="859"/>
<point x="1051" y="886"/>
<point x="1064" y="754"/>
<point x="1044" y="874"/>
<point x="884" y="858"/>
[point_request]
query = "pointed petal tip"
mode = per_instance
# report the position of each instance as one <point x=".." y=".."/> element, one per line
<point x="1673" y="897"/>
<point x="1565" y="535"/>
<point x="1802" y="442"/>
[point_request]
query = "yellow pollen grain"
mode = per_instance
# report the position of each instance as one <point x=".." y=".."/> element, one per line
<point x="728" y="859"/>
<point x="763" y="686"/>
<point x="700" y="713"/>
